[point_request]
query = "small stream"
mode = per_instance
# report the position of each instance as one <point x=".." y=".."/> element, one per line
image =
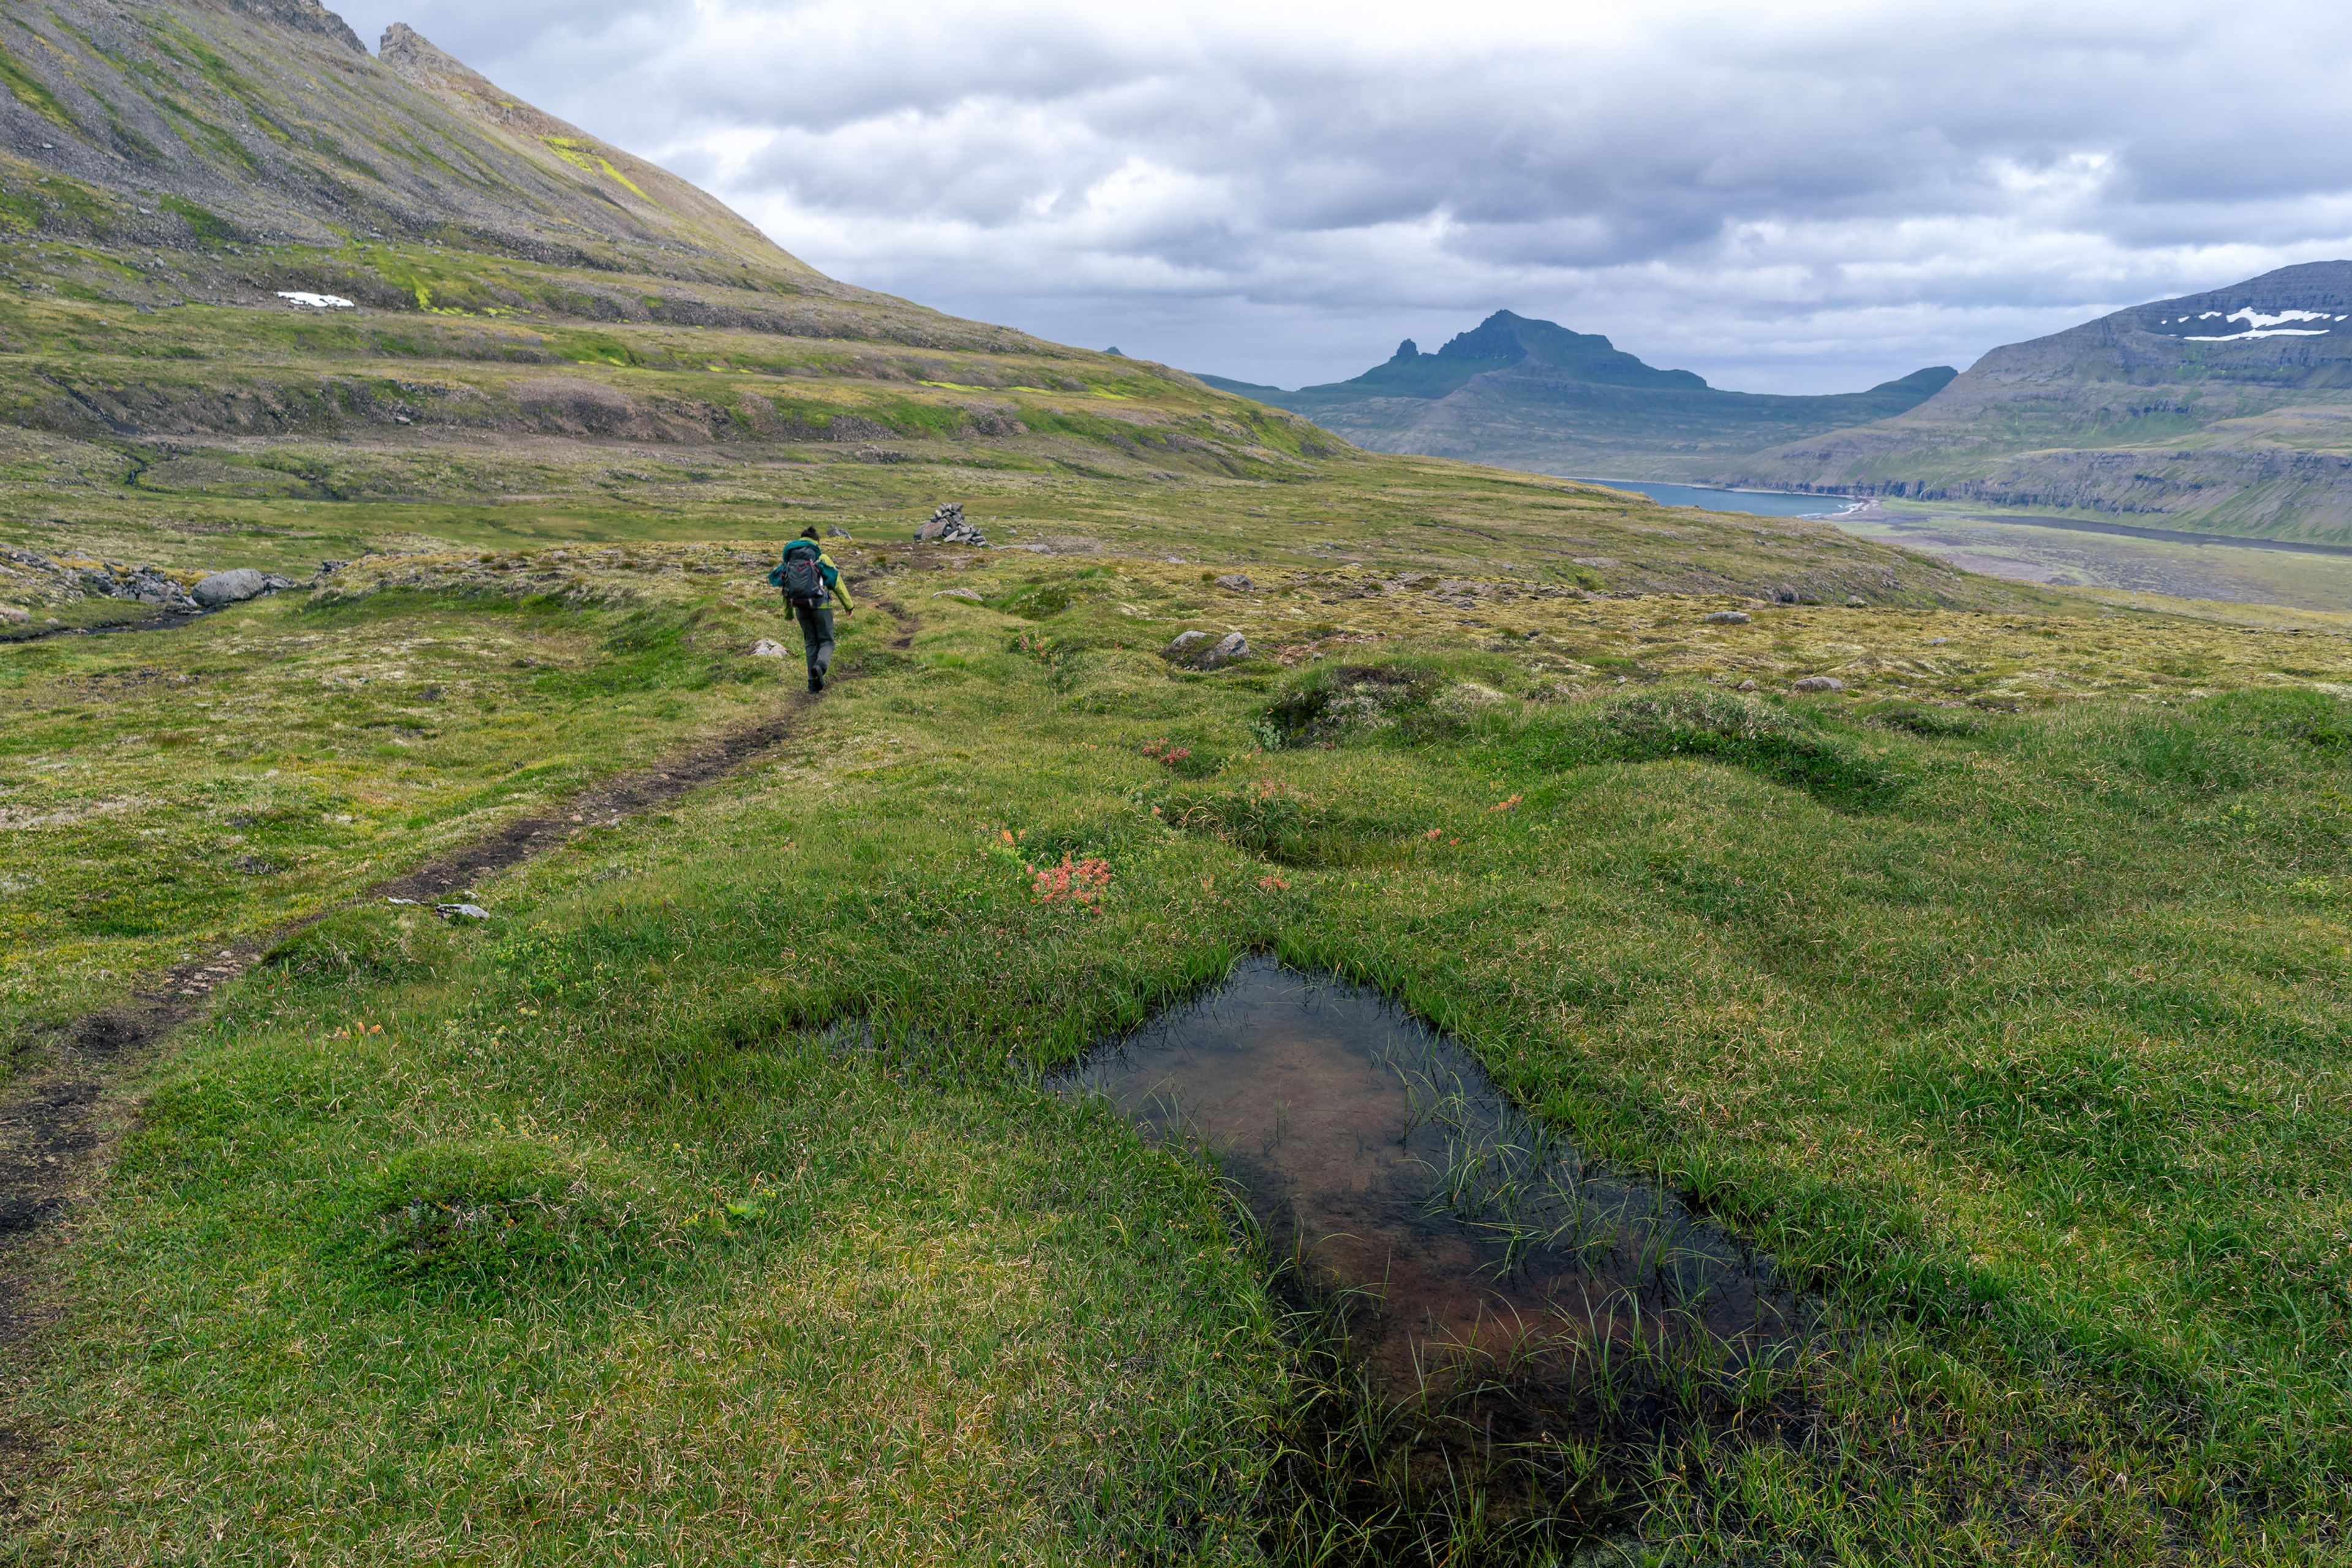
<point x="169" y="620"/>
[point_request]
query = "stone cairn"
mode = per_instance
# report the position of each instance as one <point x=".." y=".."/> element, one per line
<point x="947" y="527"/>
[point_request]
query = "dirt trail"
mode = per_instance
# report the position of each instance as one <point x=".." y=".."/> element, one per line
<point x="58" y="1122"/>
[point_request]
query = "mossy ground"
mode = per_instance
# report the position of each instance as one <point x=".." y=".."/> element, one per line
<point x="2000" y="996"/>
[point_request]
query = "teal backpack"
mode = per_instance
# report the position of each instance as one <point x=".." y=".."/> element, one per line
<point x="801" y="573"/>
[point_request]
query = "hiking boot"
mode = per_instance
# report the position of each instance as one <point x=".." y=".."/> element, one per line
<point x="816" y="683"/>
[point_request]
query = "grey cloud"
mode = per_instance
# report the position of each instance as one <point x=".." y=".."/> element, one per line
<point x="1777" y="197"/>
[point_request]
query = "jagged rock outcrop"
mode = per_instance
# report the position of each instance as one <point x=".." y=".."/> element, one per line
<point x="304" y="16"/>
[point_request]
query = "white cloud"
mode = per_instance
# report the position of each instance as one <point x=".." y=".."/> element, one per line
<point x="1798" y="197"/>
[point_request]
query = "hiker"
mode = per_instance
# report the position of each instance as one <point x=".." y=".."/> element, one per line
<point x="808" y="577"/>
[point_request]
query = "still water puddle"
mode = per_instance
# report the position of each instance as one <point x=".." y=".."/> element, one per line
<point x="1479" y="1249"/>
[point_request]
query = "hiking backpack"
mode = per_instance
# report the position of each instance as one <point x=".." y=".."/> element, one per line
<point x="801" y="573"/>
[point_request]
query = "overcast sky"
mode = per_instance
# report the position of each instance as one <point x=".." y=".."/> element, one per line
<point x="1784" y="197"/>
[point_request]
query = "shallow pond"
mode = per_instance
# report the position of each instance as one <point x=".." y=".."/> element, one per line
<point x="1481" y="1251"/>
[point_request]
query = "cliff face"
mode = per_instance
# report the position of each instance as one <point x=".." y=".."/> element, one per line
<point x="1533" y="395"/>
<point x="2229" y="411"/>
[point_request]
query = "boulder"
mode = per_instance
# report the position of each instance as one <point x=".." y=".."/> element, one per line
<point x="1745" y="686"/>
<point x="1728" y="619"/>
<point x="1856" y="602"/>
<point x="231" y="587"/>
<point x="1233" y="582"/>
<point x="461" y="911"/>
<point x="1205" y="651"/>
<point x="769" y="648"/>
<point x="1819" y="683"/>
<point x="957" y="594"/>
<point x="1231" y="648"/>
<point x="11" y="616"/>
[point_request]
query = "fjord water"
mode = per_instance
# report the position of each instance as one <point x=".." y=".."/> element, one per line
<point x="1758" y="503"/>
<point x="1481" y="1251"/>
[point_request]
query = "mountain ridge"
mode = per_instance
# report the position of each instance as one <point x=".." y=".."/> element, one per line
<point x="2227" y="411"/>
<point x="1530" y="394"/>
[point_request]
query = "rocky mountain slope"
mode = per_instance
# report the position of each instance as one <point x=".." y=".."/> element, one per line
<point x="2227" y="412"/>
<point x="256" y="282"/>
<point x="1533" y="395"/>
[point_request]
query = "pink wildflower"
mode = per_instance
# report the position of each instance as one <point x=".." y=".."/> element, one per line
<point x="1079" y="883"/>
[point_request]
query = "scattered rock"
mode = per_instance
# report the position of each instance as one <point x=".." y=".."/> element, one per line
<point x="15" y="616"/>
<point x="1204" y="650"/>
<point x="1784" y="596"/>
<point x="153" y="585"/>
<point x="947" y="527"/>
<point x="1234" y="581"/>
<point x="461" y="911"/>
<point x="838" y="531"/>
<point x="1231" y="648"/>
<point x="1856" y="602"/>
<point x="1728" y="619"/>
<point x="410" y="902"/>
<point x="234" y="587"/>
<point x="1938" y="642"/>
<point x="768" y="648"/>
<point x="1819" y="683"/>
<point x="254" y="866"/>
<point x="1745" y="686"/>
<point x="957" y="594"/>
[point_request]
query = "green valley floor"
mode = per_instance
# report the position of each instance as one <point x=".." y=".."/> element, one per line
<point x="713" y="1200"/>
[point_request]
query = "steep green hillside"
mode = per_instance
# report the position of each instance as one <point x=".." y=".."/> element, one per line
<point x="2228" y="412"/>
<point x="1532" y="395"/>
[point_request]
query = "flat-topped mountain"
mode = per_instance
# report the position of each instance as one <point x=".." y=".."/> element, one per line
<point x="1534" y="394"/>
<point x="2229" y="411"/>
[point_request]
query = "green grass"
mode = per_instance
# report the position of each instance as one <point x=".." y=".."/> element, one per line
<point x="283" y="755"/>
<point x="711" y="1203"/>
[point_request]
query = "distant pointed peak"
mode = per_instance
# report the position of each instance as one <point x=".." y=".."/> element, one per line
<point x="1407" y="349"/>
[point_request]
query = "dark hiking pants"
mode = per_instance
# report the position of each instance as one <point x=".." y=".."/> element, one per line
<point x="816" y="637"/>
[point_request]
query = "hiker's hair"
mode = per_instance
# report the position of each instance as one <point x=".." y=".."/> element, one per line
<point x="809" y="533"/>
